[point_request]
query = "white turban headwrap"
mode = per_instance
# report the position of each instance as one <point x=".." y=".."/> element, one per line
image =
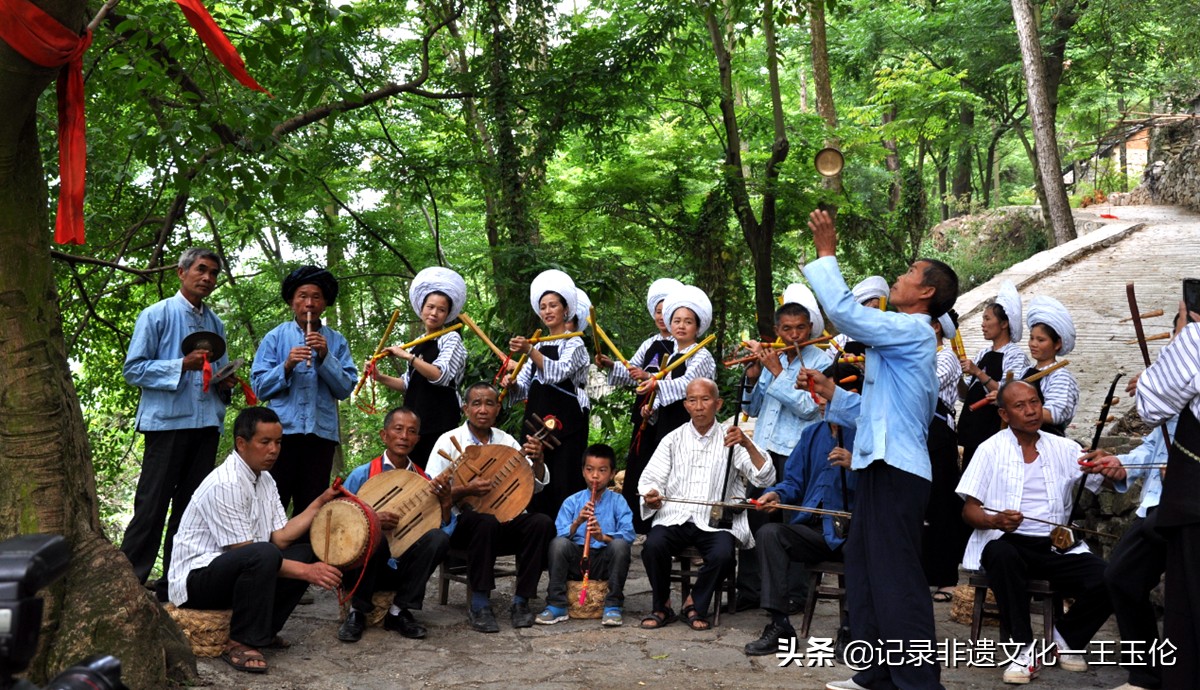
<point x="871" y="288"/>
<point x="583" y="304"/>
<point x="438" y="279"/>
<point x="553" y="281"/>
<point x="1010" y="299"/>
<point x="800" y="294"/>
<point x="658" y="292"/>
<point x="947" y="324"/>
<point x="1051" y="312"/>
<point x="693" y="298"/>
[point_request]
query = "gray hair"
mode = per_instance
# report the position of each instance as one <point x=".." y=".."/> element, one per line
<point x="190" y="256"/>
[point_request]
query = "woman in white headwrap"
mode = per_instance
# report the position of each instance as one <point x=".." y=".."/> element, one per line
<point x="649" y="358"/>
<point x="1052" y="333"/>
<point x="688" y="314"/>
<point x="435" y="367"/>
<point x="1002" y="326"/>
<point x="554" y="383"/>
<point x="945" y="534"/>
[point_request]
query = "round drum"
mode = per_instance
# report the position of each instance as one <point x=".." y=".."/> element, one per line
<point x="509" y="473"/>
<point x="341" y="533"/>
<point x="409" y="497"/>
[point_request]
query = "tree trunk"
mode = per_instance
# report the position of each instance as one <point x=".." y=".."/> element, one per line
<point x="49" y="486"/>
<point x="1041" y="115"/>
<point x="823" y="87"/>
<point x="892" y="160"/>
<point x="1124" y="151"/>
<point x="943" y="174"/>
<point x="960" y="186"/>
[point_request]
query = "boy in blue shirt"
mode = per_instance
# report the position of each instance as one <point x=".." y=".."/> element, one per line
<point x="607" y="519"/>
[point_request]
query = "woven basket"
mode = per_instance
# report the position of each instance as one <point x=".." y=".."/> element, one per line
<point x="382" y="602"/>
<point x="594" y="606"/>
<point x="206" y="631"/>
<point x="964" y="604"/>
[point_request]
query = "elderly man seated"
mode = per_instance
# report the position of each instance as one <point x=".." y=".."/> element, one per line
<point x="1020" y="484"/>
<point x="692" y="464"/>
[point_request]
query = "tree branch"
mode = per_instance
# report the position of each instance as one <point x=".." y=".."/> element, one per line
<point x="72" y="259"/>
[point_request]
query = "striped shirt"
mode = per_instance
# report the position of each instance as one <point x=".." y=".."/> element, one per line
<point x="451" y="360"/>
<point x="1015" y="361"/>
<point x="691" y="465"/>
<point x="1173" y="381"/>
<point x="569" y="371"/>
<point x="949" y="371"/>
<point x="619" y="375"/>
<point x="1060" y="391"/>
<point x="233" y="505"/>
<point x="672" y="390"/>
<point x="996" y="477"/>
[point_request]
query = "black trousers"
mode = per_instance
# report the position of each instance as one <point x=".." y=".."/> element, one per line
<point x="527" y="535"/>
<point x="610" y="564"/>
<point x="173" y="465"/>
<point x="946" y="534"/>
<point x="886" y="590"/>
<point x="781" y="546"/>
<point x="407" y="579"/>
<point x="749" y="576"/>
<point x="665" y="542"/>
<point x="1181" y="624"/>
<point x="246" y="579"/>
<point x="1134" y="569"/>
<point x="1012" y="560"/>
<point x="302" y="471"/>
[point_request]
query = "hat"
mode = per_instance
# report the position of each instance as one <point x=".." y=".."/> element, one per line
<point x="1051" y="312"/>
<point x="693" y="298"/>
<point x="947" y="324"/>
<point x="871" y="288"/>
<point x="797" y="293"/>
<point x="1010" y="299"/>
<point x="438" y="279"/>
<point x="658" y="292"/>
<point x="204" y="340"/>
<point x="553" y="281"/>
<point x="310" y="275"/>
<point x="584" y="306"/>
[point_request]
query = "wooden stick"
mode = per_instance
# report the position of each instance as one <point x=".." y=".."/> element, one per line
<point x="561" y="336"/>
<point x="423" y="339"/>
<point x="1028" y="379"/>
<point x="782" y="348"/>
<point x="482" y="336"/>
<point x="520" y="365"/>
<point x="595" y="335"/>
<point x="752" y="506"/>
<point x="1055" y="524"/>
<point x="1156" y="336"/>
<point x="1147" y="315"/>
<point x="608" y="341"/>
<point x="662" y="373"/>
<point x="387" y="333"/>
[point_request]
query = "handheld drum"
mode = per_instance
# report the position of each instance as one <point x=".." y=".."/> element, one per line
<point x="342" y="532"/>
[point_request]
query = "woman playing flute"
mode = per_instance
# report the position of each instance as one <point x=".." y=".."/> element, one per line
<point x="1052" y="334"/>
<point x="435" y="367"/>
<point x="688" y="313"/>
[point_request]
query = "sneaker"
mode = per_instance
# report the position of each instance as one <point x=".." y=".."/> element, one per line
<point x="522" y="617"/>
<point x="1075" y="663"/>
<point x="612" y="617"/>
<point x="405" y="624"/>
<point x="847" y="684"/>
<point x="1024" y="668"/>
<point x="483" y="620"/>
<point x="768" y="643"/>
<point x="1130" y="686"/>
<point x="549" y="616"/>
<point x="352" y="628"/>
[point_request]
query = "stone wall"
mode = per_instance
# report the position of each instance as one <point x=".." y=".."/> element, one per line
<point x="1174" y="178"/>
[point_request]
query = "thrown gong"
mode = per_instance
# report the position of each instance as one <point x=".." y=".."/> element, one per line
<point x="205" y="340"/>
<point x="829" y="162"/>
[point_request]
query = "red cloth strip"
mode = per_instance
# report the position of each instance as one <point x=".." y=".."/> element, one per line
<point x="42" y="40"/>
<point x="217" y="42"/>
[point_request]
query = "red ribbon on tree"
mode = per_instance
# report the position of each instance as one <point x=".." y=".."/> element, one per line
<point x="217" y="42"/>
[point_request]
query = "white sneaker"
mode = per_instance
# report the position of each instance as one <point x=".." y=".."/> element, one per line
<point x="847" y="684"/>
<point x="1075" y="663"/>
<point x="1130" y="686"/>
<point x="1024" y="668"/>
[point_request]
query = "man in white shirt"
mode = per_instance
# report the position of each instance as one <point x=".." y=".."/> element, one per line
<point x="692" y="463"/>
<point x="1022" y="482"/>
<point x="236" y="549"/>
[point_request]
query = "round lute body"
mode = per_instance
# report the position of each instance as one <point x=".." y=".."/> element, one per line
<point x="408" y="495"/>
<point x="341" y="533"/>
<point x="510" y="475"/>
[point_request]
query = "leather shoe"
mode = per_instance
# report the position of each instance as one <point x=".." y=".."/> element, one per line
<point x="483" y="620"/>
<point x="769" y="642"/>
<point x="352" y="628"/>
<point x="405" y="624"/>
<point x="522" y="617"/>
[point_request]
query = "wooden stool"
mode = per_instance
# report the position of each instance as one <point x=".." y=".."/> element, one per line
<point x="682" y="573"/>
<point x="1037" y="588"/>
<point x="817" y="589"/>
<point x="206" y="631"/>
<point x="455" y="568"/>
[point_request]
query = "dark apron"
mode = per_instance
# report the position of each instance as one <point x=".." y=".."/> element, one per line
<point x="675" y="415"/>
<point x="437" y="406"/>
<point x="1048" y="427"/>
<point x="1180" y="502"/>
<point x="642" y="442"/>
<point x="566" y="461"/>
<point x="975" y="427"/>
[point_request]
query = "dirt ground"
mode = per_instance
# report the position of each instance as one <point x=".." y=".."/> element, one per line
<point x="576" y="653"/>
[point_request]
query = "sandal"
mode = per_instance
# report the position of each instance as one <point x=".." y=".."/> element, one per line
<point x="694" y="621"/>
<point x="239" y="656"/>
<point x="942" y="596"/>
<point x="659" y="619"/>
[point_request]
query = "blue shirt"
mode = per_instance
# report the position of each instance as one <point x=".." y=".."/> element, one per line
<point x="809" y="479"/>
<point x="1152" y="450"/>
<point x="306" y="399"/>
<point x="901" y="386"/>
<point x="612" y="512"/>
<point x="171" y="397"/>
<point x="784" y="411"/>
